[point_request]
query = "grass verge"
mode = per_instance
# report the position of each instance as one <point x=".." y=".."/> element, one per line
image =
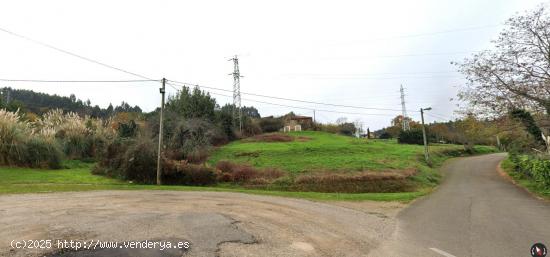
<point x="79" y="178"/>
<point x="510" y="168"/>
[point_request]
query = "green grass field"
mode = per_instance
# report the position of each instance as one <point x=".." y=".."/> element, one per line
<point x="327" y="152"/>
<point x="323" y="152"/>
<point x="331" y="152"/>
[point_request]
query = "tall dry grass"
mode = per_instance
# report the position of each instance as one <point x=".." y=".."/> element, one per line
<point x="20" y="144"/>
<point x="42" y="141"/>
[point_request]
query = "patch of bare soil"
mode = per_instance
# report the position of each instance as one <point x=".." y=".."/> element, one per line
<point x="215" y="223"/>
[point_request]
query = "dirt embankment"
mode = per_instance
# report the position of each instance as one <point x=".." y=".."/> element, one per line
<point x="216" y="224"/>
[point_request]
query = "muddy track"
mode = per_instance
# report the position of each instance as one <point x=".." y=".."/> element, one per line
<point x="215" y="223"/>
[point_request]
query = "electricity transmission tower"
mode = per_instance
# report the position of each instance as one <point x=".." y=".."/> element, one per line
<point x="237" y="112"/>
<point x="405" y="122"/>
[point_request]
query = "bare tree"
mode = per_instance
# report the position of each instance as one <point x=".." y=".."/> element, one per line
<point x="341" y="120"/>
<point x="516" y="73"/>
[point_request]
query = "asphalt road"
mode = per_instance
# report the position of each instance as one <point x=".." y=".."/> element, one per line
<point x="474" y="212"/>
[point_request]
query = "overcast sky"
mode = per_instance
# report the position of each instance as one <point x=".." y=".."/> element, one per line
<point x="341" y="52"/>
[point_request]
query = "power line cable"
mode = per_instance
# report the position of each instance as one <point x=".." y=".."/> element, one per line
<point x="430" y="33"/>
<point x="370" y="74"/>
<point x="289" y="99"/>
<point x="438" y="116"/>
<point x="297" y="107"/>
<point x="76" y="81"/>
<point x="400" y="55"/>
<point x="72" y="54"/>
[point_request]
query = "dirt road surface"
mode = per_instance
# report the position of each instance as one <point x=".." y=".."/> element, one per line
<point x="214" y="223"/>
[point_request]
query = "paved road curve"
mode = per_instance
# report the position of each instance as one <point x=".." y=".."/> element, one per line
<point x="475" y="212"/>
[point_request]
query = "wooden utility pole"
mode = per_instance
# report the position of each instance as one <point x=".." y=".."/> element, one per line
<point x="162" y="91"/>
<point x="426" y="154"/>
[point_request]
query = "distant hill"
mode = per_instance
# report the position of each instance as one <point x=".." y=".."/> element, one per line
<point x="40" y="103"/>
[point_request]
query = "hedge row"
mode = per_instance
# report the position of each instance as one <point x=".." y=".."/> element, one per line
<point x="533" y="167"/>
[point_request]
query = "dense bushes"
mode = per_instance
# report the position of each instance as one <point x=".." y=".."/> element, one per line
<point x="361" y="182"/>
<point x="413" y="136"/>
<point x="346" y="128"/>
<point x="20" y="144"/>
<point x="328" y="182"/>
<point x="42" y="154"/>
<point x="271" y="137"/>
<point x="533" y="167"/>
<point x="140" y="162"/>
<point x="79" y="137"/>
<point x="135" y="159"/>
<point x="183" y="173"/>
<point x="246" y="174"/>
<point x="271" y="124"/>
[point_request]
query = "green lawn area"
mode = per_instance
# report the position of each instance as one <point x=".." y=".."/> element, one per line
<point x="323" y="152"/>
<point x="331" y="152"/>
<point x="327" y="151"/>
<point x="508" y="166"/>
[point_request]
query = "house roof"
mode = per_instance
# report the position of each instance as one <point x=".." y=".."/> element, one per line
<point x="300" y="118"/>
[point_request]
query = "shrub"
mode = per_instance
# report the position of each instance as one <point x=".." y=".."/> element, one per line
<point x="347" y="129"/>
<point x="272" y="173"/>
<point x="139" y="163"/>
<point x="533" y="167"/>
<point x="129" y="129"/>
<point x="192" y="136"/>
<point x="251" y="127"/>
<point x="272" y="137"/>
<point x="183" y="173"/>
<point x="225" y="166"/>
<point x="19" y="145"/>
<point x="80" y="137"/>
<point x="243" y="173"/>
<point x="271" y="124"/>
<point x="385" y="135"/>
<point x="413" y="136"/>
<point x="112" y="158"/>
<point x="362" y="182"/>
<point x="198" y="156"/>
<point x="330" y="128"/>
<point x="40" y="153"/>
<point x="13" y="134"/>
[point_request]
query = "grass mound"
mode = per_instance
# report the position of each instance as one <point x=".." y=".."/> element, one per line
<point x="334" y="163"/>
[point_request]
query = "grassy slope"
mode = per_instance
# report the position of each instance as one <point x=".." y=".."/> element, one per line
<point x="508" y="166"/>
<point x="334" y="152"/>
<point x="324" y="151"/>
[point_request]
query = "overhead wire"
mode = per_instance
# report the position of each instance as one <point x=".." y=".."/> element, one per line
<point x="431" y="33"/>
<point x="290" y="99"/>
<point x="76" y="81"/>
<point x="72" y="54"/>
<point x="292" y="106"/>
